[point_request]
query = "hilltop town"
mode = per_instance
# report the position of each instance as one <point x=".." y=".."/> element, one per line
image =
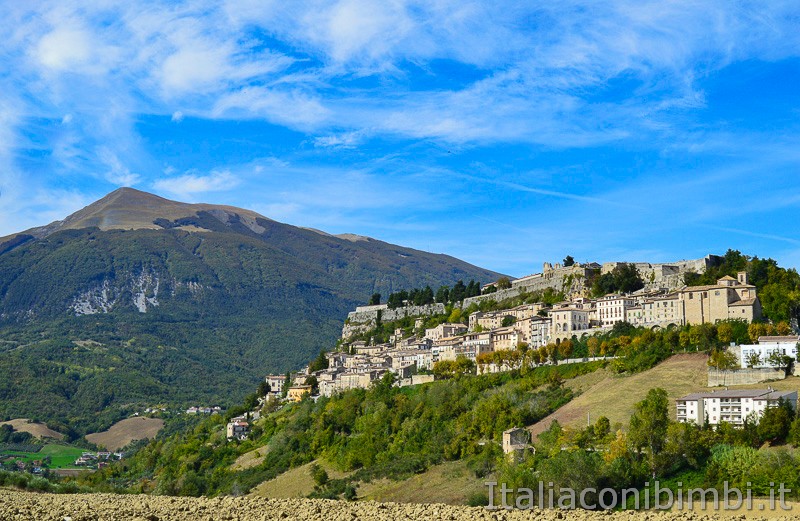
<point x="537" y="316"/>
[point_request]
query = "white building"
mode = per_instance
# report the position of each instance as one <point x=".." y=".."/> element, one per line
<point x="767" y="346"/>
<point x="731" y="406"/>
<point x="613" y="308"/>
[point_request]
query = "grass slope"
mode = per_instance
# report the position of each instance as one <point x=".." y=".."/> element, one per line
<point x="123" y="432"/>
<point x="296" y="482"/>
<point x="451" y="483"/>
<point x="614" y="396"/>
<point x="604" y="393"/>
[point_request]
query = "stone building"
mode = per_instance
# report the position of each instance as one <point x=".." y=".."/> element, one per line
<point x="568" y="321"/>
<point x="515" y="442"/>
<point x="729" y="298"/>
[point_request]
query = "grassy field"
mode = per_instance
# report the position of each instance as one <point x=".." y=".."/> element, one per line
<point x="614" y="396"/>
<point x="123" y="432"/>
<point x="61" y="456"/>
<point x="451" y="483"/>
<point x="604" y="393"/>
<point x="294" y="483"/>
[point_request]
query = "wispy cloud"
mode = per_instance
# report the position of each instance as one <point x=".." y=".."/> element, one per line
<point x="376" y="112"/>
<point x="188" y="186"/>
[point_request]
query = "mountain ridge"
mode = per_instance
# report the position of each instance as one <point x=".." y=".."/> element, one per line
<point x="172" y="294"/>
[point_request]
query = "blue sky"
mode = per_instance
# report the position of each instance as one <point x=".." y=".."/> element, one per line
<point x="503" y="133"/>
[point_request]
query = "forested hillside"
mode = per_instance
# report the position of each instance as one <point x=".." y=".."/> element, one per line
<point x="93" y="318"/>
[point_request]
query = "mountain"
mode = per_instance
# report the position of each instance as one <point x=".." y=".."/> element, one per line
<point x="137" y="300"/>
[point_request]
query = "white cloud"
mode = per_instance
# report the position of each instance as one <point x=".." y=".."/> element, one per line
<point x="292" y="108"/>
<point x="189" y="185"/>
<point x="64" y="49"/>
<point x="118" y="173"/>
<point x="343" y="140"/>
<point x="192" y="69"/>
<point x="177" y="116"/>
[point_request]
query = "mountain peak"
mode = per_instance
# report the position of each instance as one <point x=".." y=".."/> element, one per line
<point x="131" y="209"/>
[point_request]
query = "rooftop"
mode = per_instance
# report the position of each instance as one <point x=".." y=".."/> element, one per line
<point x="764" y="394"/>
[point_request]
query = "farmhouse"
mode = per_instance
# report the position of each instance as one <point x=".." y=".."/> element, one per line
<point x="238" y="429"/>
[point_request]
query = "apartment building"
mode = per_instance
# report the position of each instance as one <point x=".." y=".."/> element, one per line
<point x="731" y="406"/>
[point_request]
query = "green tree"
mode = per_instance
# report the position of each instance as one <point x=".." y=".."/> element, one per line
<point x="319" y="475"/>
<point x="568" y="261"/>
<point x="459" y="292"/>
<point x="723" y="360"/>
<point x="649" y="423"/>
<point x="264" y="388"/>
<point x="319" y="363"/>
<point x="776" y="422"/>
<point x="375" y="299"/>
<point x="627" y="278"/>
<point x="287" y="382"/>
<point x="503" y="283"/>
<point x="443" y="295"/>
<point x="314" y="383"/>
<point x="753" y="359"/>
<point x="508" y="320"/>
<point x="794" y="433"/>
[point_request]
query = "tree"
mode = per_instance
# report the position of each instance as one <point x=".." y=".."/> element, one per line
<point x="627" y="278"/>
<point x="781" y="361"/>
<point x="794" y="433"/>
<point x="565" y="349"/>
<point x="264" y="389"/>
<point x="725" y="332"/>
<point x="602" y="428"/>
<point x="508" y="320"/>
<point x="723" y="360"/>
<point x="319" y="475"/>
<point x="753" y="359"/>
<point x="319" y="363"/>
<point x="443" y="295"/>
<point x="314" y="383"/>
<point x="287" y="382"/>
<point x="375" y="299"/>
<point x="459" y="292"/>
<point x="776" y="422"/>
<point x="503" y="283"/>
<point x="568" y="261"/>
<point x="427" y="295"/>
<point x="755" y="330"/>
<point x="649" y="423"/>
<point x="593" y="346"/>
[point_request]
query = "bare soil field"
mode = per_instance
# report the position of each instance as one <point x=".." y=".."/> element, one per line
<point x="125" y="431"/>
<point x="16" y="505"/>
<point x="38" y="430"/>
